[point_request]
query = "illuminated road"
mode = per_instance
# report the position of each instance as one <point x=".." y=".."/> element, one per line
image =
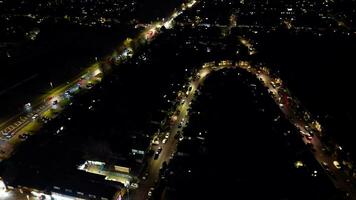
<point x="24" y="122"/>
<point x="279" y="93"/>
<point x="339" y="178"/>
<point x="29" y="121"/>
<point x="177" y="123"/>
<point x="20" y="123"/>
<point x="292" y="110"/>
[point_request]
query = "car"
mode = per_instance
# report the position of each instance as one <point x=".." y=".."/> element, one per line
<point x="324" y="164"/>
<point x="159" y="150"/>
<point x="23" y="137"/>
<point x="164" y="141"/>
<point x="337" y="164"/>
<point x="149" y="193"/>
<point x="42" y="197"/>
<point x="176" y="136"/>
<point x="6" y="133"/>
<point x="134" y="185"/>
<point x="167" y="135"/>
<point x="9" y="136"/>
<point x="308" y="137"/>
<point x="181" y="138"/>
<point x="309" y="130"/>
<point x="27" y="135"/>
<point x="304" y="133"/>
<point x="34" y="116"/>
<point x="90" y="85"/>
<point x="156" y="155"/>
<point x="155" y="141"/>
<point x="145" y="176"/>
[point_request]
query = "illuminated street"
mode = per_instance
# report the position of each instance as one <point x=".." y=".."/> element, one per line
<point x="154" y="165"/>
<point x="17" y="125"/>
<point x="48" y="105"/>
<point x="171" y="100"/>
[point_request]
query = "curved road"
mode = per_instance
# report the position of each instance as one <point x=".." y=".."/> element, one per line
<point x="278" y="92"/>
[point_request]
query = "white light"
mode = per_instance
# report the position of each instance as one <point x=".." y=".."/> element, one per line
<point x="60" y="197"/>
<point x="39" y="194"/>
<point x="82" y="167"/>
<point x="3" y="192"/>
<point x="36" y="194"/>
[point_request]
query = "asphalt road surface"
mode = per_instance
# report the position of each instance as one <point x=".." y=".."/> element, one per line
<point x="169" y="148"/>
<point x="339" y="178"/>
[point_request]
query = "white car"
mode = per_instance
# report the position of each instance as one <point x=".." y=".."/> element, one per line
<point x="150" y="192"/>
<point x="155" y="141"/>
<point x="34" y="116"/>
<point x="337" y="164"/>
<point x="164" y="141"/>
<point x="6" y="133"/>
<point x="181" y="138"/>
<point x="134" y="185"/>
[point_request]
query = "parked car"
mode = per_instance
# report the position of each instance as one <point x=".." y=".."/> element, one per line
<point x="23" y="136"/>
<point x="337" y="164"/>
<point x="134" y="185"/>
<point x="159" y="150"/>
<point x="34" y="116"/>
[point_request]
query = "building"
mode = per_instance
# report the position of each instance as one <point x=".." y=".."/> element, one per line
<point x="75" y="184"/>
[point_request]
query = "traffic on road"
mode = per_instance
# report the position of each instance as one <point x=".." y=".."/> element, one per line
<point x="164" y="146"/>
